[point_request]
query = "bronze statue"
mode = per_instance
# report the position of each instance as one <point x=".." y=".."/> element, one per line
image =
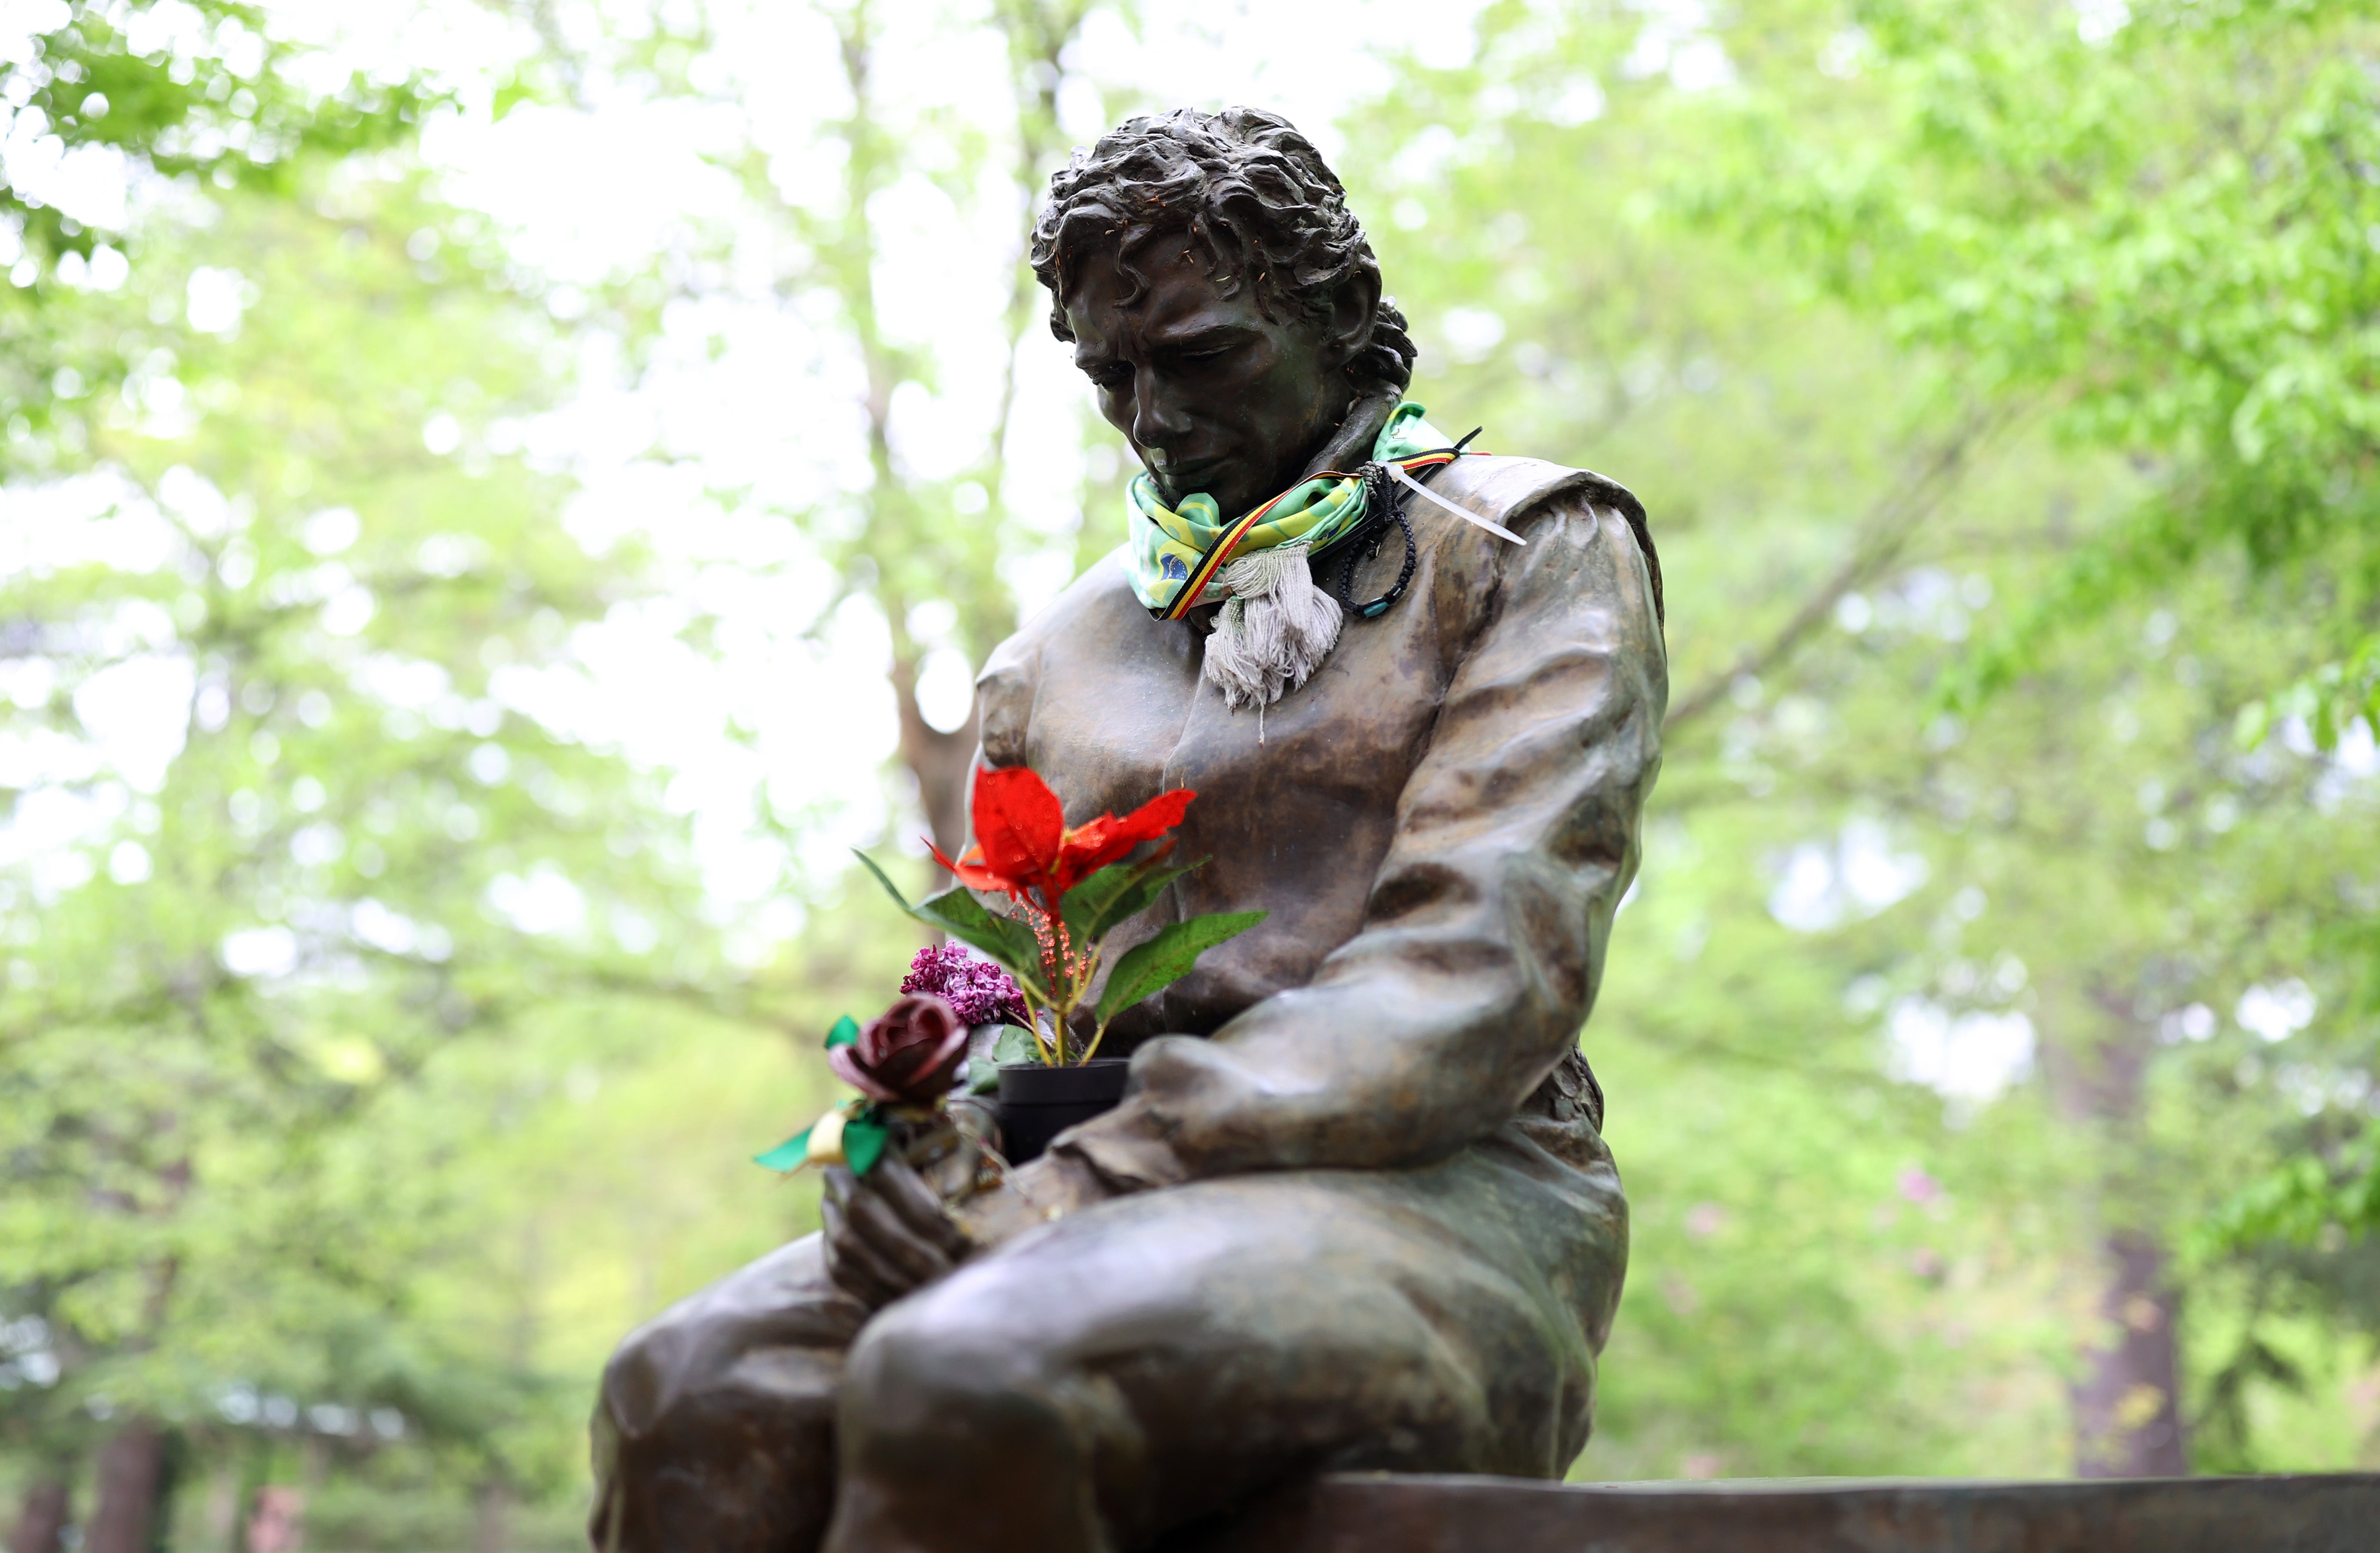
<point x="1355" y="1211"/>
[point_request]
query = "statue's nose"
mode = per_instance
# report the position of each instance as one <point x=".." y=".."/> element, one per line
<point x="1158" y="421"/>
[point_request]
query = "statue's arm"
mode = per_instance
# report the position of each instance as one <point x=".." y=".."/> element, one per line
<point x="1485" y="928"/>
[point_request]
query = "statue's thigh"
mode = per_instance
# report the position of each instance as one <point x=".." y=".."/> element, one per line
<point x="1206" y="1341"/>
<point x="714" y="1426"/>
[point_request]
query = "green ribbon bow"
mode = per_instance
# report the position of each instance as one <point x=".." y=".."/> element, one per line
<point x="853" y="1134"/>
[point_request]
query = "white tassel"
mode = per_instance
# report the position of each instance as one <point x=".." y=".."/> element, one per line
<point x="1273" y="631"/>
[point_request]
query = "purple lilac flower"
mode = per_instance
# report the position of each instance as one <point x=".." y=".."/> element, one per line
<point x="980" y="991"/>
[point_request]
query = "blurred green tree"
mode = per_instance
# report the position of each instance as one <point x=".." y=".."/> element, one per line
<point x="2154" y="222"/>
<point x="925" y="534"/>
<point x="120" y="99"/>
<point x="1911" y="1179"/>
<point x="294" y="818"/>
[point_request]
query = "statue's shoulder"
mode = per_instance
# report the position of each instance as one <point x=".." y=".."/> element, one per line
<point x="1095" y="608"/>
<point x="1099" y="601"/>
<point x="1505" y="489"/>
<point x="1502" y="486"/>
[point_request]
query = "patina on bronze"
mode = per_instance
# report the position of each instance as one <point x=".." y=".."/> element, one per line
<point x="1355" y="1211"/>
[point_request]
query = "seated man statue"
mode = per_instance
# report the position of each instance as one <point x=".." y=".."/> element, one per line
<point x="1354" y="1211"/>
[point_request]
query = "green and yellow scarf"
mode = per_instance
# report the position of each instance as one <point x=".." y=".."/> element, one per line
<point x="1174" y="554"/>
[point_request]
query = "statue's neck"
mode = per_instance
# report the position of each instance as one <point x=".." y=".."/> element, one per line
<point x="1352" y="443"/>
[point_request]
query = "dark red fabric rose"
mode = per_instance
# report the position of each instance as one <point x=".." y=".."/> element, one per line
<point x="907" y="1055"/>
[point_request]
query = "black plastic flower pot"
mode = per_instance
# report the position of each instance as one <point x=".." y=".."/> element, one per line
<point x="1038" y="1103"/>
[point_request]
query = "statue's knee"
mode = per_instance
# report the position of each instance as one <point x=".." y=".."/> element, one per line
<point x="646" y="1373"/>
<point x="932" y="1374"/>
<point x="701" y="1349"/>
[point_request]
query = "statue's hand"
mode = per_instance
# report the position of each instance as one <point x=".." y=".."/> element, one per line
<point x="1034" y="1194"/>
<point x="886" y="1233"/>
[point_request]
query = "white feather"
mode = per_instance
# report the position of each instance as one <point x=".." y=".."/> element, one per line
<point x="1398" y="474"/>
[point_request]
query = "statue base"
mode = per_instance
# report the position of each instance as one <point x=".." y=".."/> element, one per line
<point x="1384" y="1513"/>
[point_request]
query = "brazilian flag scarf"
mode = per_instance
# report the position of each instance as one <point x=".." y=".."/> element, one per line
<point x="1175" y="553"/>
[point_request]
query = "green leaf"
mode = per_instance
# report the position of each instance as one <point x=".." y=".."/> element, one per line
<point x="958" y="912"/>
<point x="863" y="1141"/>
<point x="1139" y="898"/>
<point x="890" y="888"/>
<point x="1079" y="906"/>
<point x="961" y="914"/>
<point x="1100" y="903"/>
<point x="787" y="1156"/>
<point x="1151" y="967"/>
<point x="1015" y="1044"/>
<point x="845" y="1032"/>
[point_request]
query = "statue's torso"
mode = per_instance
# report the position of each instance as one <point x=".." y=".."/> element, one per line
<point x="1296" y="807"/>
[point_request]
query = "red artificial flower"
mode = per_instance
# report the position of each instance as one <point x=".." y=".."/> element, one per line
<point x="1023" y="844"/>
<point x="907" y="1055"/>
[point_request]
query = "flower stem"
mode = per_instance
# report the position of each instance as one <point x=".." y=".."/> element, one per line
<point x="1033" y="1027"/>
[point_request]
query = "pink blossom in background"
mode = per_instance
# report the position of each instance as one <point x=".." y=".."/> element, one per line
<point x="1918" y="1187"/>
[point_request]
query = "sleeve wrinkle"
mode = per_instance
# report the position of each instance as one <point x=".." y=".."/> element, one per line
<point x="1484" y="930"/>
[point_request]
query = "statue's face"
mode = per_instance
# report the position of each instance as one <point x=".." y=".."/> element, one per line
<point x="1212" y="395"/>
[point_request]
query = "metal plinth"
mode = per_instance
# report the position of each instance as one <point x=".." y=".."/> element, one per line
<point x="1379" y="1514"/>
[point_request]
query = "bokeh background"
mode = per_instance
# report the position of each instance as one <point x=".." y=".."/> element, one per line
<point x="500" y="497"/>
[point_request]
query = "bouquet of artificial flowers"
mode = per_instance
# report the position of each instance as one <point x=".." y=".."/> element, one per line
<point x="1068" y="889"/>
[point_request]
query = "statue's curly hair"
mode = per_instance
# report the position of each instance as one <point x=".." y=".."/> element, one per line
<point x="1249" y="187"/>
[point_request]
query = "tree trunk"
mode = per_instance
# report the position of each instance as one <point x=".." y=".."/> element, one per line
<point x="42" y="1516"/>
<point x="2126" y="1400"/>
<point x="222" y="1505"/>
<point x="2126" y="1421"/>
<point x="941" y="762"/>
<point x="131" y="1469"/>
<point x="313" y="1467"/>
<point x="1039" y="34"/>
<point x="492" y="1528"/>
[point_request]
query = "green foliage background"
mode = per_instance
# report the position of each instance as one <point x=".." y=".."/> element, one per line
<point x="2001" y="381"/>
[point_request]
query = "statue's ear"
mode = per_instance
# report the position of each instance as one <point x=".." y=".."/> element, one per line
<point x="1354" y="306"/>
